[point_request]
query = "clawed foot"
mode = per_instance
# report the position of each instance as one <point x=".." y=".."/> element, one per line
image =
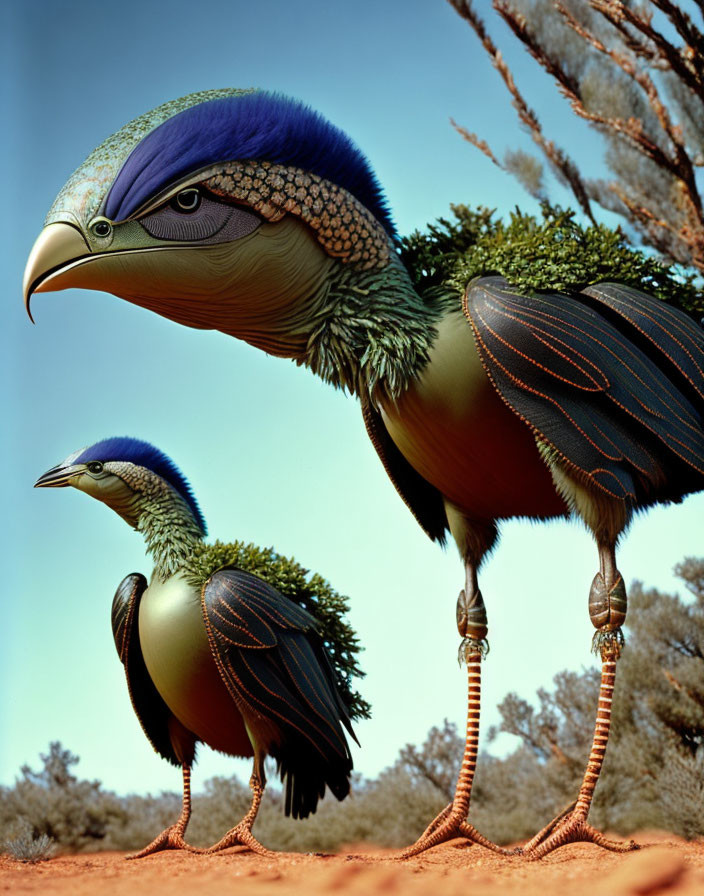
<point x="238" y="836"/>
<point x="449" y="825"/>
<point x="570" y="828"/>
<point x="171" y="838"/>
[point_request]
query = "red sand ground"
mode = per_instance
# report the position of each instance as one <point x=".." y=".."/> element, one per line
<point x="669" y="865"/>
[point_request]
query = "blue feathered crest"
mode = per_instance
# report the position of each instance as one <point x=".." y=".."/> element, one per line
<point x="256" y="126"/>
<point x="143" y="454"/>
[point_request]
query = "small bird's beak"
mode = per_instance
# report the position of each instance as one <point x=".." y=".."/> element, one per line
<point x="56" y="246"/>
<point x="57" y="477"/>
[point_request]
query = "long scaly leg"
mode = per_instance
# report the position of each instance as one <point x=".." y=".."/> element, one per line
<point x="607" y="610"/>
<point x="241" y="834"/>
<point x="172" y="837"/>
<point x="452" y="821"/>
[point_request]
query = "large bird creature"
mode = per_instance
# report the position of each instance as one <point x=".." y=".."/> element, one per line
<point x="248" y="213"/>
<point x="215" y="653"/>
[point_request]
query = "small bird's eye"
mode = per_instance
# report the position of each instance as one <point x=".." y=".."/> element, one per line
<point x="101" y="227"/>
<point x="187" y="200"/>
<point x="95" y="466"/>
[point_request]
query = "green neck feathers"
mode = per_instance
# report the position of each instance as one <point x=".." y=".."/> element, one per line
<point x="155" y="509"/>
<point x="171" y="534"/>
<point x="372" y="330"/>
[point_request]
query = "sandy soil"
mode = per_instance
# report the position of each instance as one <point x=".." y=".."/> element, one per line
<point x="668" y="866"/>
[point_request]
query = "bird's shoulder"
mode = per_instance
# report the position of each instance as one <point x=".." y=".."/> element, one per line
<point x="242" y="610"/>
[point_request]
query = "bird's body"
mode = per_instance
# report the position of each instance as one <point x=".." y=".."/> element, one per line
<point x="454" y="429"/>
<point x="212" y="652"/>
<point x="249" y="214"/>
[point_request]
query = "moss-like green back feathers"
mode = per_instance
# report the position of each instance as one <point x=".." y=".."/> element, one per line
<point x="552" y="252"/>
<point x="311" y="592"/>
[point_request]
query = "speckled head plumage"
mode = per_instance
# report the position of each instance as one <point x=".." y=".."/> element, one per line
<point x="124" y="449"/>
<point x="84" y="192"/>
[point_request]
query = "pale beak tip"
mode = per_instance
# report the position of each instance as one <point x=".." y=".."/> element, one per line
<point x="56" y="477"/>
<point x="57" y="245"/>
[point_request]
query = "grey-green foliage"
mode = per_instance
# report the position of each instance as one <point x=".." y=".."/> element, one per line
<point x="550" y="252"/>
<point x="22" y="843"/>
<point x="73" y="813"/>
<point x="312" y="592"/>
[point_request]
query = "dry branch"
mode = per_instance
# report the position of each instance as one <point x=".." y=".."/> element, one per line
<point x="669" y="218"/>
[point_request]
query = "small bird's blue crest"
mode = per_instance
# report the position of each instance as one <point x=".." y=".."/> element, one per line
<point x="257" y="126"/>
<point x="143" y="454"/>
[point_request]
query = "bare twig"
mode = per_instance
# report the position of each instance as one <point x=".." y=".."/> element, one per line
<point x="555" y="155"/>
<point x="685" y="27"/>
<point x="680" y="163"/>
<point x="616" y="13"/>
<point x="631" y="42"/>
<point x="630" y="129"/>
<point x="472" y="138"/>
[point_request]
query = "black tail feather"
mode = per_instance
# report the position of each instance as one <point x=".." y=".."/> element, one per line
<point x="305" y="777"/>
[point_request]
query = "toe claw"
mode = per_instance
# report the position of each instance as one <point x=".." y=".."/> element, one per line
<point x="171" y="838"/>
<point x="449" y="825"/>
<point x="238" y="836"/>
<point x="570" y="829"/>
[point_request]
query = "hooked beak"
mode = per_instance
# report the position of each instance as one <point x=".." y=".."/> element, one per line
<point x="57" y="245"/>
<point x="57" y="477"/>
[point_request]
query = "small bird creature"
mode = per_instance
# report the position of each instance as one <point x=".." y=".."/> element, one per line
<point x="212" y="651"/>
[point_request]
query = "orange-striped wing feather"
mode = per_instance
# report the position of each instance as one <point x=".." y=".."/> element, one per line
<point x="667" y="335"/>
<point x="273" y="662"/>
<point x="588" y="390"/>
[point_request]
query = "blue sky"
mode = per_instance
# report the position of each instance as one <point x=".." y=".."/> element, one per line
<point x="273" y="454"/>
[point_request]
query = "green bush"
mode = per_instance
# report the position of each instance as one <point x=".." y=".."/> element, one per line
<point x="550" y="252"/>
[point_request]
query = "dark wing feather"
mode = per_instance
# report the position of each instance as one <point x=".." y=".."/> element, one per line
<point x="587" y="390"/>
<point x="152" y="712"/>
<point x="243" y="614"/>
<point x="422" y="499"/>
<point x="272" y="660"/>
<point x="668" y="336"/>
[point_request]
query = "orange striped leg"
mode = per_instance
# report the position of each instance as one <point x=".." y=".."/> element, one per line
<point x="452" y="821"/>
<point x="241" y="834"/>
<point x="172" y="838"/>
<point x="571" y="825"/>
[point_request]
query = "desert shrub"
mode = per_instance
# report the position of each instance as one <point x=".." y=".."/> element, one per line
<point x="437" y="761"/>
<point x="25" y="846"/>
<point x="75" y="814"/>
<point x="681" y="792"/>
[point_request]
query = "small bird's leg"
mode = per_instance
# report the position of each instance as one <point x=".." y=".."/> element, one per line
<point x="241" y="834"/>
<point x="607" y="610"/>
<point x="172" y="838"/>
<point x="452" y="821"/>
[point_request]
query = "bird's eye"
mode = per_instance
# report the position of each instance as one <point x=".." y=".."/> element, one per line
<point x="186" y="201"/>
<point x="95" y="466"/>
<point x="101" y="227"/>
